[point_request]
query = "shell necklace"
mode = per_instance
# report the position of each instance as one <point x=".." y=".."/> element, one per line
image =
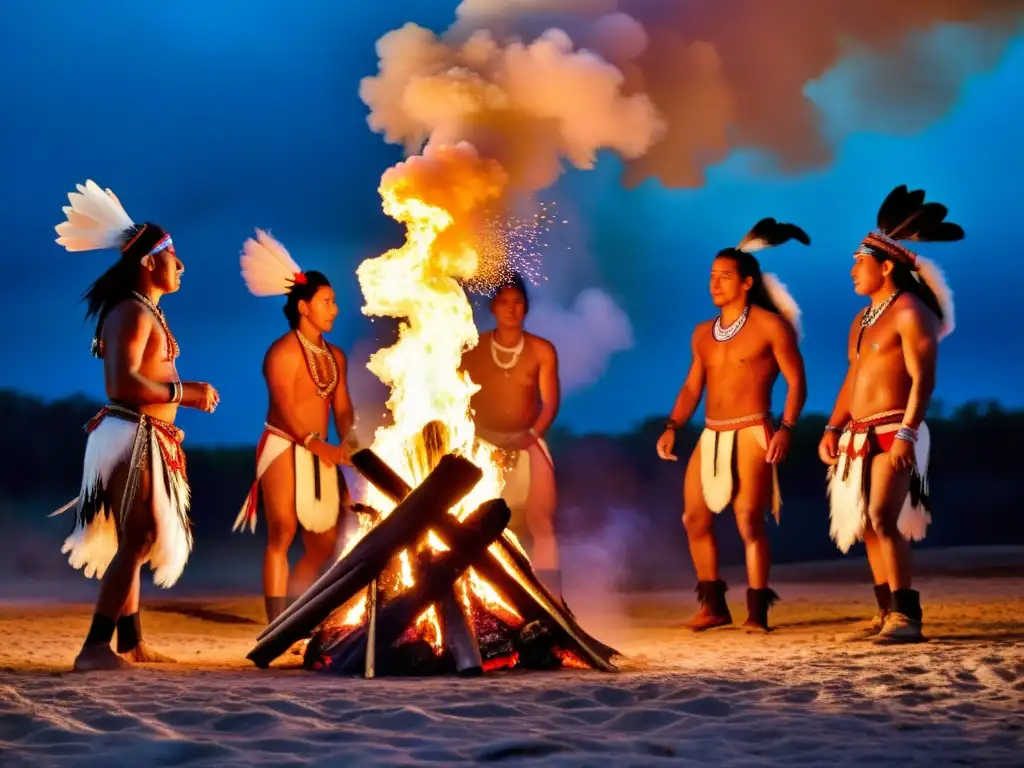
<point x="172" y="344"/>
<point x="872" y="315"/>
<point x="515" y="351"/>
<point x="726" y="333"/>
<point x="323" y="389"/>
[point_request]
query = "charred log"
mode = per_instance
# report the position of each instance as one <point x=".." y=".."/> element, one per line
<point x="450" y="481"/>
<point x="434" y="575"/>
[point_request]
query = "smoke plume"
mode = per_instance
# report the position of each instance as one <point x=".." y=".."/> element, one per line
<point x="586" y="335"/>
<point x="672" y="86"/>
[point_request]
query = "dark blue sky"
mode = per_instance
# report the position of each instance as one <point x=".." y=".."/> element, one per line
<point x="215" y="118"/>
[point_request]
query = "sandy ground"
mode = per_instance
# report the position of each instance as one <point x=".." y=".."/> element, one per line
<point x="798" y="696"/>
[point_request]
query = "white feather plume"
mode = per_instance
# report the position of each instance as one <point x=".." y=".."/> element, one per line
<point x="95" y="219"/>
<point x="752" y="244"/>
<point x="782" y="299"/>
<point x="267" y="267"/>
<point x="932" y="275"/>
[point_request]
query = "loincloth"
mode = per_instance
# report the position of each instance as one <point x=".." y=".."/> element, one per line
<point x="717" y="448"/>
<point x="118" y="434"/>
<point x="848" y="479"/>
<point x="318" y="488"/>
<point x="516" y="465"/>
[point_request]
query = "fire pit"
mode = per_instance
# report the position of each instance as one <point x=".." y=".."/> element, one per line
<point x="467" y="601"/>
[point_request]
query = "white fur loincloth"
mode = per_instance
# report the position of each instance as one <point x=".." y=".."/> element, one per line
<point x="317" y="509"/>
<point x="717" y="451"/>
<point x="517" y="472"/>
<point x="93" y="541"/>
<point x="848" y="493"/>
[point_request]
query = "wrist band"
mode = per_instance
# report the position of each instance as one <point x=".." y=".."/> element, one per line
<point x="176" y="391"/>
<point x="671" y="426"/>
<point x="830" y="428"/>
<point x="907" y="433"/>
<point x="785" y="425"/>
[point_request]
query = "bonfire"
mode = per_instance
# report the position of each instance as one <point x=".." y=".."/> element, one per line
<point x="434" y="582"/>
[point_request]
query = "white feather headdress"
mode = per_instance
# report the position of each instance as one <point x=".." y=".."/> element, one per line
<point x="95" y="220"/>
<point x="768" y="233"/>
<point x="267" y="267"/>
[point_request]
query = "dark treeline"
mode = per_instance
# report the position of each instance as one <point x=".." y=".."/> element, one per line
<point x="607" y="483"/>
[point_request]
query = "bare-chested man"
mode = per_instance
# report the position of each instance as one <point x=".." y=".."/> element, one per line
<point x="738" y="358"/>
<point x="876" y="441"/>
<point x="517" y="403"/>
<point x="133" y="505"/>
<point x="296" y="468"/>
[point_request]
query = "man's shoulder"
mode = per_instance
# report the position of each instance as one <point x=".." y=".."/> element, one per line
<point x="283" y="347"/>
<point x="540" y="344"/>
<point x="702" y="329"/>
<point x="911" y="309"/>
<point x="338" y="352"/>
<point x="125" y="315"/>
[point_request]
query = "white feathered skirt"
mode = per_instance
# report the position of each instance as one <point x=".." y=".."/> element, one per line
<point x="318" y="485"/>
<point x="848" y="479"/>
<point x="117" y="435"/>
<point x="717" y="448"/>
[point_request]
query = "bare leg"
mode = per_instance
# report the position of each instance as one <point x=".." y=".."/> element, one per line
<point x="278" y="487"/>
<point x="136" y="538"/>
<point x="541" y="503"/>
<point x="698" y="521"/>
<point x="317" y="550"/>
<point x="889" y="490"/>
<point x="130" y="644"/>
<point x="876" y="561"/>
<point x="888" y="493"/>
<point x="751" y="505"/>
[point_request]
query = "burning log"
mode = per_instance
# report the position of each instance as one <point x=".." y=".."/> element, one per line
<point x="526" y="591"/>
<point x="434" y="576"/>
<point x="450" y="481"/>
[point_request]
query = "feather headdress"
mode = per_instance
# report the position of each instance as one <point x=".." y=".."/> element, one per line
<point x="769" y="233"/>
<point x="96" y="220"/>
<point x="904" y="215"/>
<point x="267" y="267"/>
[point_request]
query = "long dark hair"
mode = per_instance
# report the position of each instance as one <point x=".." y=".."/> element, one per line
<point x="903" y="278"/>
<point x="748" y="266"/>
<point x="303" y="291"/>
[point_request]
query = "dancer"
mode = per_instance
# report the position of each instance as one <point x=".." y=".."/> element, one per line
<point x="877" y="441"/>
<point x="517" y="403"/>
<point x="296" y="468"/>
<point x="133" y="504"/>
<point x="737" y="358"/>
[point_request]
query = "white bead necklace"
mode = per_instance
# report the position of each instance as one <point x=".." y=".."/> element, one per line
<point x="726" y="333"/>
<point x="515" y="351"/>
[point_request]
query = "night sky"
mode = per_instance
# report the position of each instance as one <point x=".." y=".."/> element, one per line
<point x="216" y="118"/>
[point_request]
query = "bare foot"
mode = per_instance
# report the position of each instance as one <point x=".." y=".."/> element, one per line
<point x="143" y="654"/>
<point x="94" y="658"/>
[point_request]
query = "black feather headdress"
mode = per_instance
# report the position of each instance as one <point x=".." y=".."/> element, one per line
<point x="905" y="216"/>
<point x="769" y="233"/>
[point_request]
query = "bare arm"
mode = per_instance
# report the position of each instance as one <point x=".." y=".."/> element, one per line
<point x="131" y="327"/>
<point x="791" y="365"/>
<point x="920" y="341"/>
<point x="693" y="387"/>
<point x="550" y="391"/>
<point x="344" y="415"/>
<point x="841" y="412"/>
